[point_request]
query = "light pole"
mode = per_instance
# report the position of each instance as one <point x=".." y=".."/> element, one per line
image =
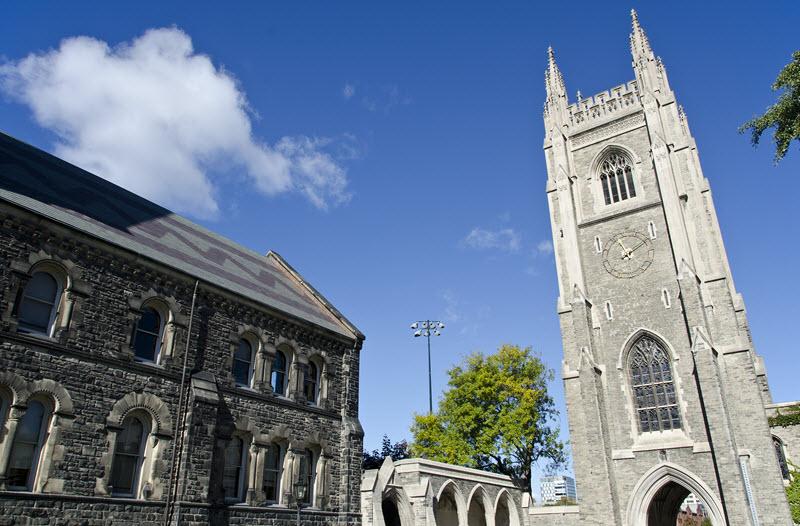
<point x="299" y="496"/>
<point x="427" y="328"/>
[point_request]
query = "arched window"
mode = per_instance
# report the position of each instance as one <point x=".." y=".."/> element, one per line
<point x="234" y="472"/>
<point x="147" y="336"/>
<point x="128" y="458"/>
<point x="311" y="383"/>
<point x="39" y="303"/>
<point x="653" y="386"/>
<point x="273" y="463"/>
<point x="780" y="453"/>
<point x="307" y="474"/>
<point x="27" y="447"/>
<point x="278" y="379"/>
<point x="243" y="363"/>
<point x="616" y="178"/>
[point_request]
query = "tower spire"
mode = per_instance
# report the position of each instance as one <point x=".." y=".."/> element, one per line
<point x="650" y="73"/>
<point x="556" y="102"/>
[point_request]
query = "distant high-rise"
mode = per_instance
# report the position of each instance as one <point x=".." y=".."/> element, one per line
<point x="558" y="488"/>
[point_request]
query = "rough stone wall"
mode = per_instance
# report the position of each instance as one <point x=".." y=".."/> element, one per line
<point x="93" y="362"/>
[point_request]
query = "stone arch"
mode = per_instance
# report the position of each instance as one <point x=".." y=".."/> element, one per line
<point x="54" y="391"/>
<point x="444" y="516"/>
<point x="662" y="490"/>
<point x="150" y="403"/>
<point x="505" y="501"/>
<point x="593" y="175"/>
<point x="480" y="510"/>
<point x="630" y="341"/>
<point x="395" y="509"/>
<point x="16" y="386"/>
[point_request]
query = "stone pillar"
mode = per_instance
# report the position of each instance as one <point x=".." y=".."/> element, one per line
<point x="14" y="416"/>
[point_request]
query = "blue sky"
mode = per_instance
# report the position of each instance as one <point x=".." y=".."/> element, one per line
<point x="393" y="153"/>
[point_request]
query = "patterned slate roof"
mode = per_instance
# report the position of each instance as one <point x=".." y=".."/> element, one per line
<point x="44" y="184"/>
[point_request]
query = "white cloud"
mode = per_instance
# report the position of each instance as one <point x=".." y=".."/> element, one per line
<point x="544" y="247"/>
<point x="348" y="91"/>
<point x="154" y="116"/>
<point x="506" y="239"/>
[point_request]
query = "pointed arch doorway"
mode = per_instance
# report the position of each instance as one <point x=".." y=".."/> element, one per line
<point x="659" y="495"/>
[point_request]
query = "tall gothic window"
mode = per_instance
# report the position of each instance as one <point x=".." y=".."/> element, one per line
<point x="128" y="457"/>
<point x="243" y="363"/>
<point x="147" y="336"/>
<point x="781" y="458"/>
<point x="616" y="178"/>
<point x="37" y="310"/>
<point x="653" y="386"/>
<point x="279" y="373"/>
<point x="27" y="447"/>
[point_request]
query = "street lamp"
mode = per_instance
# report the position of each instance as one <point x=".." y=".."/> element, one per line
<point x="299" y="494"/>
<point x="428" y="328"/>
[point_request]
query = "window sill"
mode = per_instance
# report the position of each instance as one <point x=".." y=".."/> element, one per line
<point x="672" y="439"/>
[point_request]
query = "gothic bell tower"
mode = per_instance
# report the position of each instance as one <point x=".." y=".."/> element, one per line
<point x="665" y="393"/>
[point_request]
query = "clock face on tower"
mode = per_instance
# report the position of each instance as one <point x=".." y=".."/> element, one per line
<point x="628" y="254"/>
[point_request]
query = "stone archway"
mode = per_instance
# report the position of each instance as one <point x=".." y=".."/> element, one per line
<point x="391" y="515"/>
<point x="505" y="510"/>
<point x="480" y="511"/>
<point x="657" y="497"/>
<point x="448" y="506"/>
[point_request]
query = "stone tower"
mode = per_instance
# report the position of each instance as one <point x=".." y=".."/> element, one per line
<point x="665" y="392"/>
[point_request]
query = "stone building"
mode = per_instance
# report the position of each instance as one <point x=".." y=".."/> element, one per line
<point x="665" y="393"/>
<point x="152" y="372"/>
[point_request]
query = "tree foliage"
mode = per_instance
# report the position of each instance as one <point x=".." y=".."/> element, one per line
<point x="374" y="459"/>
<point x="496" y="415"/>
<point x="784" y="115"/>
<point x="793" y="494"/>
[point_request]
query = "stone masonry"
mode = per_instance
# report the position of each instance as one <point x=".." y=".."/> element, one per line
<point x="114" y="254"/>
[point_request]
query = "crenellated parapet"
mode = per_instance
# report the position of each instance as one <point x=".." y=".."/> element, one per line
<point x="613" y="103"/>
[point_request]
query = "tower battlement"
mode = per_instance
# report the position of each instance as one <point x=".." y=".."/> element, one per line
<point x="597" y="107"/>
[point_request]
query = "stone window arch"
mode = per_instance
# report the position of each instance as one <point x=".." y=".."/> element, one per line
<point x="655" y="397"/>
<point x="307" y="473"/>
<point x="274" y="455"/>
<point x="154" y="321"/>
<point x="616" y="177"/>
<point x="311" y="381"/>
<point x="284" y="371"/>
<point x="29" y="444"/>
<point x="42" y="296"/>
<point x="157" y="431"/>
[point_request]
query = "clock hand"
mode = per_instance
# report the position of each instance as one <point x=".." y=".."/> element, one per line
<point x="634" y="249"/>
<point x="627" y="252"/>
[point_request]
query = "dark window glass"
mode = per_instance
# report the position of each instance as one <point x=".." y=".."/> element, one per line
<point x="629" y="180"/>
<point x="242" y="363"/>
<point x="781" y="458"/>
<point x="128" y="457"/>
<point x="233" y="471"/>
<point x="273" y="463"/>
<point x="26" y="449"/>
<point x="279" y="373"/>
<point x="307" y="473"/>
<point x="653" y="389"/>
<point x="147" y="335"/>
<point x="38" y="306"/>
<point x="311" y="383"/>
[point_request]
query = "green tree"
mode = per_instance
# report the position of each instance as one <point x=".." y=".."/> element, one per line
<point x="374" y="459"/>
<point x="784" y="115"/>
<point x="496" y="415"/>
<point x="793" y="494"/>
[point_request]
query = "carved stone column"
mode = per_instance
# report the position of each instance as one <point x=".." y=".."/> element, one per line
<point x="15" y="415"/>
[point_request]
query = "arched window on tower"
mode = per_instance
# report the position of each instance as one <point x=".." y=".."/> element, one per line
<point x="26" y="448"/>
<point x="781" y="454"/>
<point x="147" y="336"/>
<point x="653" y="386"/>
<point x="616" y="178"/>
